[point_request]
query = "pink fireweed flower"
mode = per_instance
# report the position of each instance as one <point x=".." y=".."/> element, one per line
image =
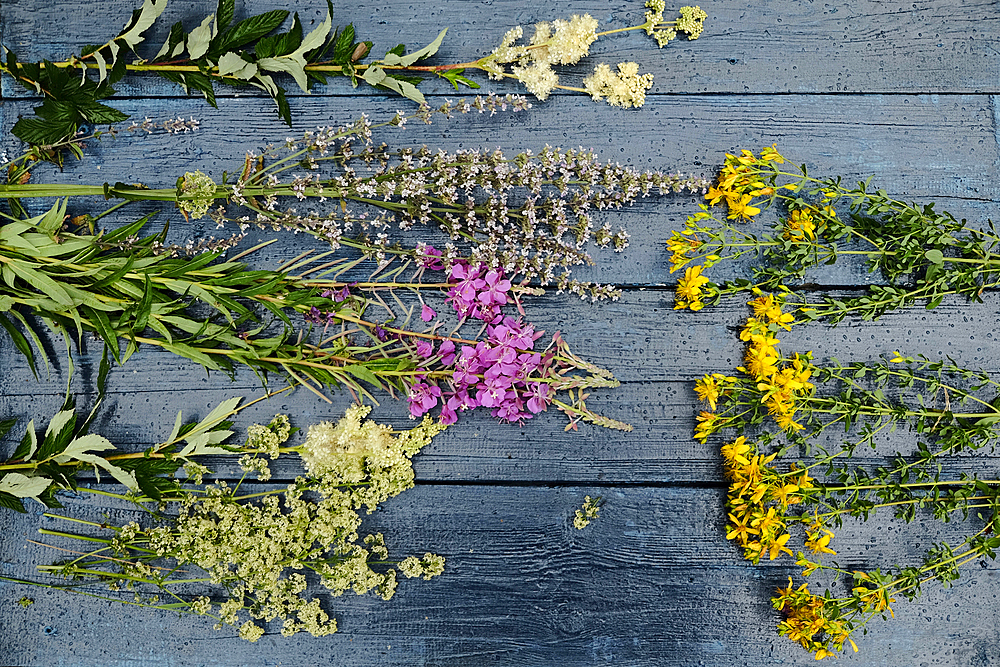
<point x="494" y="292"/>
<point x="423" y="397"/>
<point x="425" y="348"/>
<point x="429" y="257"/>
<point x="538" y="394"/>
<point x="447" y="351"/>
<point x="427" y="313"/>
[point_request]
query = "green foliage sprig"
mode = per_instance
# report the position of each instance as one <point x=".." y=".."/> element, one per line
<point x="40" y="467"/>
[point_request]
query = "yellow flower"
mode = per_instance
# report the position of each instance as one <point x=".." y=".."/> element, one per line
<point x="740" y="207"/>
<point x="777" y="547"/>
<point x="711" y="387"/>
<point x="735" y="452"/>
<point x="819" y="542"/>
<point x="800" y="225"/>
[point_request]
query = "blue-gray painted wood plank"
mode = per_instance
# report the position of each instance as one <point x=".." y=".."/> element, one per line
<point x="904" y="91"/>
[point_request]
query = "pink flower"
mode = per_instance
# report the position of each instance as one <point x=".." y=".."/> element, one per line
<point x="425" y="348"/>
<point x="427" y="313"/>
<point x="447" y="351"/>
<point x="423" y="397"/>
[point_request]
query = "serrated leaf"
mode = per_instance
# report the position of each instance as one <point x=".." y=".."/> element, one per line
<point x="21" y="486"/>
<point x="6" y="425"/>
<point x="147" y="16"/>
<point x="174" y="41"/>
<point x="293" y="64"/>
<point x="374" y="75"/>
<point x="29" y="443"/>
<point x="199" y="39"/>
<point x="344" y="44"/>
<point x="201" y="83"/>
<point x="102" y="66"/>
<point x="101" y="114"/>
<point x="232" y="64"/>
<point x="404" y="88"/>
<point x="220" y="413"/>
<point x="12" y="503"/>
<point x="317" y="37"/>
<point x="84" y="445"/>
<point x="225" y="11"/>
<point x="58" y="434"/>
<point x="250" y="29"/>
<point x="426" y="52"/>
<point x="124" y="478"/>
<point x="177" y="429"/>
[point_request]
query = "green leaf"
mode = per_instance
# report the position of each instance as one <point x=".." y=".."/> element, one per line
<point x="124" y="478"/>
<point x="249" y="30"/>
<point x="12" y="503"/>
<point x="344" y="44"/>
<point x="225" y="11"/>
<point x="132" y="34"/>
<point x="58" y="434"/>
<point x="404" y="88"/>
<point x="362" y="373"/>
<point x="202" y="83"/>
<point x="393" y="58"/>
<point x="101" y="114"/>
<point x="6" y="425"/>
<point x="29" y="443"/>
<point x="231" y="64"/>
<point x="281" y="44"/>
<point x="20" y="342"/>
<point x="199" y="39"/>
<point x="934" y="256"/>
<point x="83" y="445"/>
<point x="21" y="486"/>
<point x="454" y="76"/>
<point x="103" y="326"/>
<point x="284" y="111"/>
<point x="177" y="429"/>
<point x="174" y="45"/>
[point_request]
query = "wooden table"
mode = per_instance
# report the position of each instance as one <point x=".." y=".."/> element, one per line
<point x="907" y="92"/>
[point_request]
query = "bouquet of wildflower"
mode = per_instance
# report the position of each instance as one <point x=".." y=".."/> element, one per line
<point x="768" y="500"/>
<point x="924" y="255"/>
<point x="237" y="555"/>
<point x="251" y="52"/>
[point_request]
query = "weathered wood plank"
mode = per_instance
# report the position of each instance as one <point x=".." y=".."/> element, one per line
<point x="652" y="580"/>
<point x="931" y="46"/>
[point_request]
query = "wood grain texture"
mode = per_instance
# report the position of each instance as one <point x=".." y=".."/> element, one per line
<point x="904" y="92"/>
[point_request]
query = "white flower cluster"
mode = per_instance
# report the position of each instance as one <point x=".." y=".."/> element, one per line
<point x="625" y="88"/>
<point x="256" y="545"/>
<point x="557" y="43"/>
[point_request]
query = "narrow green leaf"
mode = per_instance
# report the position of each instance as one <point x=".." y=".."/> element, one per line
<point x="6" y="425"/>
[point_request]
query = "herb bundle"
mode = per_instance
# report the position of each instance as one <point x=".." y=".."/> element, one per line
<point x="240" y="556"/>
<point x="952" y="410"/>
<point x="251" y="52"/>
<point x="922" y="254"/>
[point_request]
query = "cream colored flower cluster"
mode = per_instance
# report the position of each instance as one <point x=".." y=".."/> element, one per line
<point x="625" y="88"/>
<point x="557" y="43"/>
